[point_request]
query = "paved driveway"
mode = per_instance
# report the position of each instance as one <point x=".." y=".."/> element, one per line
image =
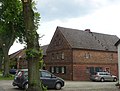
<point x="90" y="86"/>
<point x="71" y="86"/>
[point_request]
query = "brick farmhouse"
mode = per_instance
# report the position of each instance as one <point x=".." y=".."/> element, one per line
<point x="75" y="54"/>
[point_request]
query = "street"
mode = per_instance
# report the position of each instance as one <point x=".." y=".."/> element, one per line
<point x="70" y="86"/>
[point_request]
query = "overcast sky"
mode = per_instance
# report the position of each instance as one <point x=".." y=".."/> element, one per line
<point x="102" y="16"/>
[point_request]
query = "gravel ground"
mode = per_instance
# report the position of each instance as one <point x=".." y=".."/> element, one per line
<point x="69" y="86"/>
<point x="89" y="86"/>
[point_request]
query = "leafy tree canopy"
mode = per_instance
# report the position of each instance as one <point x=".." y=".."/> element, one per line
<point x="11" y="19"/>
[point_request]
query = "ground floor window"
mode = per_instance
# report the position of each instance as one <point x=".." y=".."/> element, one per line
<point x="52" y="70"/>
<point x="63" y="69"/>
<point x="107" y="70"/>
<point x="58" y="69"/>
<point x="92" y="70"/>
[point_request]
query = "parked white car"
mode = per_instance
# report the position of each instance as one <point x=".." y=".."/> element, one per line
<point x="103" y="76"/>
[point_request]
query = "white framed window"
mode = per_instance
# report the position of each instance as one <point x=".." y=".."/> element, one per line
<point x="63" y="70"/>
<point x="52" y="69"/>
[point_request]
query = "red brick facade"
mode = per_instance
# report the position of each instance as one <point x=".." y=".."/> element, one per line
<point x="59" y="54"/>
<point x="107" y="61"/>
<point x="78" y="63"/>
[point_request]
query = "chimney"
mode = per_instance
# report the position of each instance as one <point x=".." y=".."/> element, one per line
<point x="88" y="30"/>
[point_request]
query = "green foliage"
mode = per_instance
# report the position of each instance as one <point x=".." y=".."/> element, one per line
<point x="12" y="9"/>
<point x="9" y="77"/>
<point x="34" y="83"/>
<point x="44" y="88"/>
<point x="36" y="19"/>
<point x="11" y="19"/>
<point x="13" y="64"/>
<point x="32" y="53"/>
<point x="10" y="25"/>
<point x="1" y="29"/>
<point x="36" y="15"/>
<point x="41" y="64"/>
<point x="6" y="78"/>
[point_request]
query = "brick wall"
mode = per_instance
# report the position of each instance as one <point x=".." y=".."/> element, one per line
<point x="80" y="71"/>
<point x="67" y="75"/>
<point x="87" y="56"/>
<point x="82" y="59"/>
<point x="66" y="62"/>
<point x="57" y="48"/>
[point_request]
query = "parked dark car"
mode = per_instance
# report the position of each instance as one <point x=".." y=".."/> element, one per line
<point x="48" y="79"/>
<point x="103" y="76"/>
<point x="12" y="71"/>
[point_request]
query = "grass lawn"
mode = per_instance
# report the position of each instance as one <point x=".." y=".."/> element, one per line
<point x="6" y="78"/>
<point x="11" y="77"/>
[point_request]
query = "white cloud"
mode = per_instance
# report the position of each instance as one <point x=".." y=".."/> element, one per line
<point x="65" y="9"/>
<point x="104" y="18"/>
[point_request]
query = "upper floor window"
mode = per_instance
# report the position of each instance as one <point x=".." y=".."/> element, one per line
<point x="57" y="54"/>
<point x="111" y="56"/>
<point x="53" y="56"/>
<point x="87" y="55"/>
<point x="62" y="55"/>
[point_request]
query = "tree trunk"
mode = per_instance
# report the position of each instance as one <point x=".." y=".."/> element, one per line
<point x="6" y="60"/>
<point x="5" y="49"/>
<point x="6" y="63"/>
<point x="1" y="58"/>
<point x="33" y="48"/>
